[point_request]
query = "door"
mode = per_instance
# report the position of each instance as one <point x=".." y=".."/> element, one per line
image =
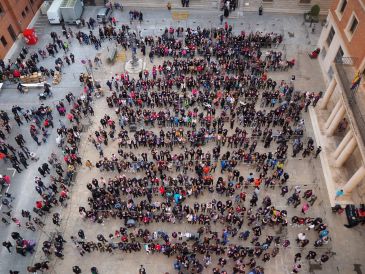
<point x="12" y="33"/>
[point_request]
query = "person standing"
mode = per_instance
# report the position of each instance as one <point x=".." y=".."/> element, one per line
<point x="339" y="193"/>
<point x="305" y="208"/>
<point x="23" y="160"/>
<point x="89" y="164"/>
<point x="72" y="57"/>
<point x="35" y="138"/>
<point x="110" y="85"/>
<point x="7" y="245"/>
<point x="81" y="234"/>
<point x="142" y="270"/>
<point x="324" y="258"/>
<point x="45" y="168"/>
<point x="296" y="268"/>
<point x="297" y="257"/>
<point x="17" y="167"/>
<point x="18" y="120"/>
<point x="41" y="171"/>
<point x="319" y="149"/>
<point x="76" y="269"/>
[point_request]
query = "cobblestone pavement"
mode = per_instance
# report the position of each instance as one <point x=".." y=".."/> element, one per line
<point x="305" y="172"/>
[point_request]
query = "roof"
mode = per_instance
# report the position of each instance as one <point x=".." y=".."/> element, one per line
<point x="68" y="3"/>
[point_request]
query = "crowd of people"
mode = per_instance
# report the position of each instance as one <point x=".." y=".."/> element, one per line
<point x="189" y="108"/>
<point x="207" y="119"/>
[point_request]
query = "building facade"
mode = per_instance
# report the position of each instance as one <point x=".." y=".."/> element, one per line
<point x="295" y="6"/>
<point x="15" y="16"/>
<point x="282" y="6"/>
<point x="340" y="120"/>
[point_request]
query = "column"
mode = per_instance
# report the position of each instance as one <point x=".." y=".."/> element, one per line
<point x="333" y="114"/>
<point x="327" y="96"/>
<point x="343" y="143"/>
<point x="346" y="152"/>
<point x="354" y="180"/>
<point x="336" y="121"/>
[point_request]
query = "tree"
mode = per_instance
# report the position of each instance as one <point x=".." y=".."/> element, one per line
<point x="315" y="11"/>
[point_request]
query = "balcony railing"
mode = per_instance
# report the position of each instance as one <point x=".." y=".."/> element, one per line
<point x="346" y="74"/>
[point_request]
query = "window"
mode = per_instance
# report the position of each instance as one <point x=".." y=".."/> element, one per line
<point x="23" y="14"/>
<point x="12" y="32"/>
<point x="330" y="36"/>
<point x="343" y="6"/>
<point x="339" y="54"/>
<point x="353" y="25"/>
<point x="323" y="53"/>
<point x="304" y="1"/>
<point x="26" y="9"/>
<point x="330" y="73"/>
<point x="3" y="41"/>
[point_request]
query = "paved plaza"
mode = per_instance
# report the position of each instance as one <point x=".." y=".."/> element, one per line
<point x="306" y="172"/>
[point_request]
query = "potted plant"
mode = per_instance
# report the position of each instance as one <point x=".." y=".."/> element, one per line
<point x="313" y="14"/>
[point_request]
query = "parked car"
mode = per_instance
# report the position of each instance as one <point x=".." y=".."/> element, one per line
<point x="103" y="15"/>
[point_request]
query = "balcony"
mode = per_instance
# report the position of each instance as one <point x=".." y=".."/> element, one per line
<point x="356" y="101"/>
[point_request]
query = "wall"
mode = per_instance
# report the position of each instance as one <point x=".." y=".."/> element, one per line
<point x="352" y="47"/>
<point x="356" y="44"/>
<point x="328" y="53"/>
<point x="12" y="15"/>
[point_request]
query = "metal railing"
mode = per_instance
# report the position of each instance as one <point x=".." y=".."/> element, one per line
<point x="342" y="66"/>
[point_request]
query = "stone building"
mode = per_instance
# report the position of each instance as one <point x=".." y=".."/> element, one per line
<point x="15" y="16"/>
<point x="340" y="121"/>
